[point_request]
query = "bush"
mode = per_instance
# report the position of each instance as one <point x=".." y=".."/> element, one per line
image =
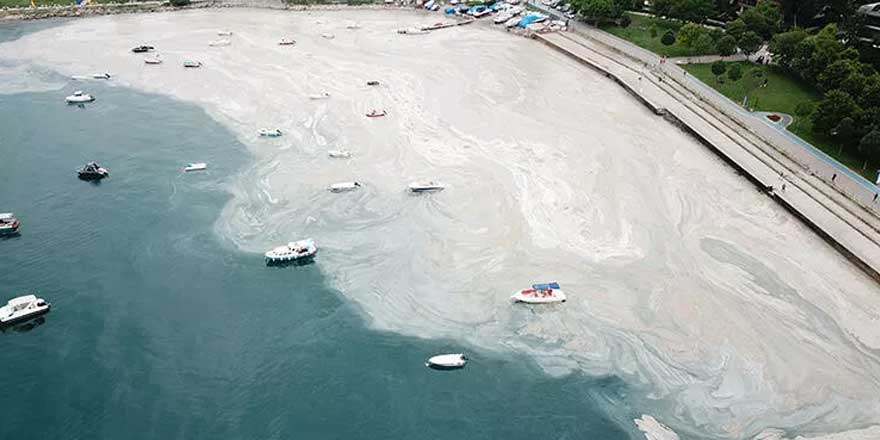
<point x="718" y="68"/>
<point x="625" y="21"/>
<point x="668" y="38"/>
<point x="726" y="46"/>
<point x="653" y="31"/>
<point x="735" y="72"/>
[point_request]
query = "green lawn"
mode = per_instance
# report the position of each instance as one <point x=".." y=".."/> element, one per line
<point x="639" y="33"/>
<point x="782" y="94"/>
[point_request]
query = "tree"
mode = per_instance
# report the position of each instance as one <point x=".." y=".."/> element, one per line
<point x="764" y="19"/>
<point x="704" y="45"/>
<point x="692" y="10"/>
<point x="662" y="8"/>
<point x="870" y="144"/>
<point x="834" y="75"/>
<point x="625" y="21"/>
<point x="668" y="38"/>
<point x="750" y="42"/>
<point x="846" y="130"/>
<point x="689" y="33"/>
<point x="718" y="69"/>
<point x="784" y="46"/>
<point x="834" y="108"/>
<point x="736" y="28"/>
<point x="726" y="46"/>
<point x="735" y="72"/>
<point x="598" y="10"/>
<point x="803" y="111"/>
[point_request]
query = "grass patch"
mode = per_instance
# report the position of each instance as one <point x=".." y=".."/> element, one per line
<point x="782" y="94"/>
<point x="639" y="33"/>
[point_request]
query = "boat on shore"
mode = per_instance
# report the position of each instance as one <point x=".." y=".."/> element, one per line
<point x="425" y="186"/>
<point x="8" y="223"/>
<point x="540" y="294"/>
<point x="286" y="42"/>
<point x="92" y="171"/>
<point x="339" y="154"/>
<point x="143" y="49"/>
<point x="78" y="97"/>
<point x="197" y="166"/>
<point x="447" y="361"/>
<point x="265" y="132"/>
<point x="344" y="187"/>
<point x="376" y="114"/>
<point x="22" y="309"/>
<point x="293" y="251"/>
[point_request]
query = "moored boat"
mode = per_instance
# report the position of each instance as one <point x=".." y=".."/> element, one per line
<point x="143" y="49"/>
<point x="192" y="64"/>
<point x="447" y="361"/>
<point x="78" y="97"/>
<point x="265" y="132"/>
<point x="92" y="171"/>
<point x="540" y="294"/>
<point x="23" y="308"/>
<point x="376" y="114"/>
<point x="295" y="250"/>
<point x="197" y="166"/>
<point x="104" y="75"/>
<point x="373" y="83"/>
<point x="328" y="36"/>
<point x="339" y="154"/>
<point x="219" y="43"/>
<point x="322" y="95"/>
<point x="344" y="187"/>
<point x="425" y="186"/>
<point x="8" y="223"/>
<point x="286" y="42"/>
<point x="224" y="33"/>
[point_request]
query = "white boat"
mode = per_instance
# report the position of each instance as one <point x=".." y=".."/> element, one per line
<point x="8" y="223"/>
<point x="286" y="42"/>
<point x="426" y="186"/>
<point x="192" y="64"/>
<point x="540" y="294"/>
<point x="502" y="17"/>
<point x="23" y="308"/>
<point x="78" y="97"/>
<point x="513" y="22"/>
<point x="265" y="132"/>
<point x="224" y="33"/>
<point x="153" y="59"/>
<point x="328" y="36"/>
<point x="482" y="12"/>
<point x="412" y="31"/>
<point x="344" y="187"/>
<point x="447" y="361"/>
<point x="79" y="77"/>
<point x="198" y="166"/>
<point x="339" y="154"/>
<point x="219" y="43"/>
<point x="352" y="25"/>
<point x="322" y="95"/>
<point x="104" y="75"/>
<point x="295" y="250"/>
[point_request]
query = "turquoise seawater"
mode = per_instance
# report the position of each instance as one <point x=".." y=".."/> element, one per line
<point x="160" y="330"/>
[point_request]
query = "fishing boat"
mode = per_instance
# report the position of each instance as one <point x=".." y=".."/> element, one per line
<point x="295" y="250"/>
<point x="23" y="308"/>
<point x="425" y="186"/>
<point x="198" y="166"/>
<point x="104" y="75"/>
<point x="540" y="294"/>
<point x="339" y="154"/>
<point x="376" y="114"/>
<point x="78" y="97"/>
<point x="265" y="132"/>
<point x="344" y="187"/>
<point x="322" y="95"/>
<point x="143" y="49"/>
<point x="192" y="64"/>
<point x="286" y="42"/>
<point x="447" y="361"/>
<point x="92" y="171"/>
<point x="219" y="43"/>
<point x="153" y="59"/>
<point x="224" y="33"/>
<point x="8" y="223"/>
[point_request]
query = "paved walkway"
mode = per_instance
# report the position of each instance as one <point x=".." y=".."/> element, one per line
<point x="812" y="187"/>
<point x="705" y="59"/>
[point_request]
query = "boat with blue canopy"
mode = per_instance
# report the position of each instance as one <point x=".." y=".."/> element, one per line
<point x="541" y="293"/>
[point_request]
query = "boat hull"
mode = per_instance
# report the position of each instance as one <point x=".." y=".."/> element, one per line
<point x="92" y="176"/>
<point x="9" y="230"/>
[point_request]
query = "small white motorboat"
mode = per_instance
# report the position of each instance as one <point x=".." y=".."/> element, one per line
<point x="23" y="308"/>
<point x="540" y="294"/>
<point x="78" y="97"/>
<point x="426" y="186"/>
<point x="447" y="361"/>
<point x="286" y="42"/>
<point x="265" y="132"/>
<point x="198" y="166"/>
<point x="295" y="250"/>
<point x="8" y="223"/>
<point x="322" y="95"/>
<point x="224" y="33"/>
<point x="328" y="36"/>
<point x="344" y="187"/>
<point x="104" y="75"/>
<point x="352" y="25"/>
<point x="153" y="59"/>
<point x="339" y="154"/>
<point x="219" y="43"/>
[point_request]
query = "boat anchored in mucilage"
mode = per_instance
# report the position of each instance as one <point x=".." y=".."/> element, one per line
<point x="344" y="187"/>
<point x="265" y="132"/>
<point x="286" y="42"/>
<point x="142" y="49"/>
<point x="23" y="308"/>
<point x="293" y="251"/>
<point x="78" y="97"/>
<point x="339" y="154"/>
<point x="192" y="64"/>
<point x="540" y="294"/>
<point x="426" y="186"/>
<point x="198" y="166"/>
<point x="8" y="223"/>
<point x="376" y="114"/>
<point x="447" y="361"/>
<point x="92" y="171"/>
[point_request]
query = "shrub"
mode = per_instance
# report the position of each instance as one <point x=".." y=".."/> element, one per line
<point x="726" y="46"/>
<point x="668" y="38"/>
<point x="718" y="68"/>
<point x="625" y="21"/>
<point x="735" y="72"/>
<point x="653" y="31"/>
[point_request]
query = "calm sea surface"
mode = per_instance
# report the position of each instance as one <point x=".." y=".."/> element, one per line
<point x="160" y="330"/>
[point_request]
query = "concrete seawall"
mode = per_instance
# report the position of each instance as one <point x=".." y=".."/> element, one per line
<point x="839" y="221"/>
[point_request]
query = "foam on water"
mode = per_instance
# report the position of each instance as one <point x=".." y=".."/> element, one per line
<point x="680" y="275"/>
